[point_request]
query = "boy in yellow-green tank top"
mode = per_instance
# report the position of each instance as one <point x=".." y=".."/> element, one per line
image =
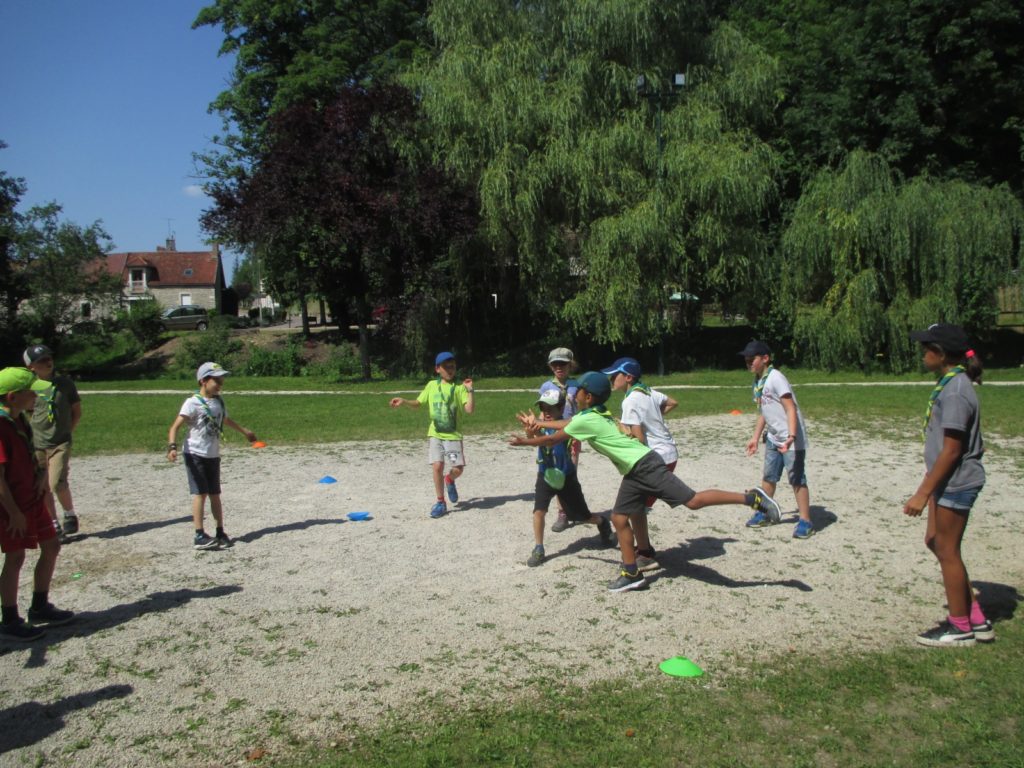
<point x="444" y="399"/>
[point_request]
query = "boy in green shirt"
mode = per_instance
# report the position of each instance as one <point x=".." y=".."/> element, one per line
<point x="643" y="471"/>
<point x="444" y="398"/>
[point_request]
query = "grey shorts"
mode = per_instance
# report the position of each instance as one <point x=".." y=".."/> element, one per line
<point x="570" y="497"/>
<point x="650" y="477"/>
<point x="450" y="451"/>
<point x="203" y="475"/>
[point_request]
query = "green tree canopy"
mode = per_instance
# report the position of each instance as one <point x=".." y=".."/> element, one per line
<point x="606" y="198"/>
<point x="869" y="257"/>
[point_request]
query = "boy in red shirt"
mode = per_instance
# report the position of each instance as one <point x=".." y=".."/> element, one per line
<point x="24" y="521"/>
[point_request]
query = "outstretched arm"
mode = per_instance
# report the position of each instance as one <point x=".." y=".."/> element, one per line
<point x="540" y="440"/>
<point x="396" y="402"/>
<point x="249" y="434"/>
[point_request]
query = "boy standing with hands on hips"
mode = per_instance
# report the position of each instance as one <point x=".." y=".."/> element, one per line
<point x="444" y="398"/>
<point x="206" y="416"/>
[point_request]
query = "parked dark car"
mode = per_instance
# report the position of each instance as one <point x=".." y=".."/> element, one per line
<point x="186" y="317"/>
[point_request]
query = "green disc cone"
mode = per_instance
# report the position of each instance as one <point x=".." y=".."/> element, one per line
<point x="680" y="666"/>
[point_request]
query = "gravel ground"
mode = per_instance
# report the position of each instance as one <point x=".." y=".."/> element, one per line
<point x="312" y="624"/>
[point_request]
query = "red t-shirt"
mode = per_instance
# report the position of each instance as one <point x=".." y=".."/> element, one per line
<point x="18" y="463"/>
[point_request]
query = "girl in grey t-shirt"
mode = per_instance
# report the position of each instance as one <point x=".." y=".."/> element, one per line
<point x="954" y="478"/>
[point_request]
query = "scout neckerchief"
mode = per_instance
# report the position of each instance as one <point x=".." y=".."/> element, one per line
<point x="638" y="386"/>
<point x="759" y="384"/>
<point x="21" y="426"/>
<point x="218" y="425"/>
<point x="447" y="403"/>
<point x="946" y="378"/>
<point x="49" y="396"/>
<point x="600" y="410"/>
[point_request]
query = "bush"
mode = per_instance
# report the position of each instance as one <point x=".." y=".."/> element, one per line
<point x="214" y="345"/>
<point x="274" y="362"/>
<point x="342" y="365"/>
<point x="95" y="353"/>
<point x="142" y="319"/>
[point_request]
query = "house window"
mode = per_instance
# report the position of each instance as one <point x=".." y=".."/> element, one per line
<point x="188" y="272"/>
<point x="137" y="280"/>
<point x="184" y="298"/>
<point x="86" y="309"/>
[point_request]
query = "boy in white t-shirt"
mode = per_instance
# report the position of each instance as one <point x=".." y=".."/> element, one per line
<point x="206" y="416"/>
<point x="643" y="418"/>
<point x="781" y="426"/>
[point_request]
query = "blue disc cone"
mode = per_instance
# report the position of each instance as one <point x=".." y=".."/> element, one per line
<point x="327" y="479"/>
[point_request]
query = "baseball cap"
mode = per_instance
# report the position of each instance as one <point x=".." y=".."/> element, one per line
<point x="443" y="357"/>
<point x="626" y="365"/>
<point x="951" y="338"/>
<point x="560" y="355"/>
<point x="596" y="384"/>
<point x="210" y="369"/>
<point x="19" y="379"/>
<point x="35" y="353"/>
<point x="550" y="396"/>
<point x="755" y="348"/>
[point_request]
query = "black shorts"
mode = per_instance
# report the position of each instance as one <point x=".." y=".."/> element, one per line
<point x="570" y="497"/>
<point x="203" y="475"/>
<point x="650" y="477"/>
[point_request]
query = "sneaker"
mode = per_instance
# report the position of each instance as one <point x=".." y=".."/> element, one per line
<point x="646" y="562"/>
<point x="224" y="541"/>
<point x="804" y="530"/>
<point x="453" y="492"/>
<point x="945" y="635"/>
<point x="536" y="557"/>
<point x="61" y="536"/>
<point x="984" y="633"/>
<point x="19" y="630"/>
<point x="70" y="525"/>
<point x="203" y="541"/>
<point x="759" y="520"/>
<point x="766" y="504"/>
<point x="560" y="524"/>
<point x="438" y="510"/>
<point x="50" y="615"/>
<point x="608" y="537"/>
<point x="628" y="581"/>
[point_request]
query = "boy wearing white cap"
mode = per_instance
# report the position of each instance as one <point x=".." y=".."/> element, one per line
<point x="206" y="416"/>
<point x="561" y="362"/>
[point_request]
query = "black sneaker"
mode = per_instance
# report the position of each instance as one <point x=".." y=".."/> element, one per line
<point x="70" y="525"/>
<point x="19" y="630"/>
<point x="628" y="581"/>
<point x="203" y="541"/>
<point x="536" y="557"/>
<point x="766" y="505"/>
<point x="50" y="615"/>
<point x="224" y="541"/>
<point x="984" y="633"/>
<point x="945" y="635"/>
<point x="560" y="524"/>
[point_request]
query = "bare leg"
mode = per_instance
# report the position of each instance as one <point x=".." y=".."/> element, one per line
<point x="715" y="497"/>
<point x="944" y="533"/>
<point x="538" y="526"/>
<point x="625" y="534"/>
<point x="9" y="577"/>
<point x="198" y="502"/>
<point x="43" y="575"/>
<point x="438" y="467"/>
<point x="638" y="521"/>
<point x="803" y="501"/>
<point x="217" y="510"/>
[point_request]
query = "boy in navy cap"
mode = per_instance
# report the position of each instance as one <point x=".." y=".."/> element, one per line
<point x="444" y="398"/>
<point x="643" y="470"/>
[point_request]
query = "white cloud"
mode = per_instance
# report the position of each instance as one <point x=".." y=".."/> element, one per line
<point x="193" y="190"/>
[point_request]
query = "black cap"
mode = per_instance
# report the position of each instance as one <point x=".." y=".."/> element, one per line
<point x="755" y="348"/>
<point x="35" y="353"/>
<point x="951" y="338"/>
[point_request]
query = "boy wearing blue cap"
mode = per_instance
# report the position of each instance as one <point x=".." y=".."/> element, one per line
<point x="25" y="522"/>
<point x="643" y="419"/>
<point x="643" y="470"/>
<point x="444" y="398"/>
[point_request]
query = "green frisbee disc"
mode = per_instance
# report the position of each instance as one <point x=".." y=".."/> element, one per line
<point x="680" y="666"/>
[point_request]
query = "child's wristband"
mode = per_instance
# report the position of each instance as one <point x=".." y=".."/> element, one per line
<point x="172" y="447"/>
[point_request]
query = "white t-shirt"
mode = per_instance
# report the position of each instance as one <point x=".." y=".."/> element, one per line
<point x="774" y="412"/>
<point x="205" y="423"/>
<point x="641" y="409"/>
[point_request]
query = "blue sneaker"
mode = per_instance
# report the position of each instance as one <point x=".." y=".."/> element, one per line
<point x="453" y="492"/>
<point x="438" y="510"/>
<point x="759" y="520"/>
<point x="804" y="530"/>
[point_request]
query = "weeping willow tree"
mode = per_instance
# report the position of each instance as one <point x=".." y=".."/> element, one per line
<point x="606" y="198"/>
<point x="867" y="258"/>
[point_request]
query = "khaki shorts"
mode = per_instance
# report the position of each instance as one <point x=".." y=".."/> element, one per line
<point x="57" y="463"/>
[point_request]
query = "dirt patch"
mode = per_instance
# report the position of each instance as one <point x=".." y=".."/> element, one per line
<point x="312" y="624"/>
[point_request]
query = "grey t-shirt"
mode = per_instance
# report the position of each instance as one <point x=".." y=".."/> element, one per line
<point x="957" y="408"/>
<point x="775" y="388"/>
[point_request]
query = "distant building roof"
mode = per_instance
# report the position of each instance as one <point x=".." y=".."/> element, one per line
<point x="170" y="268"/>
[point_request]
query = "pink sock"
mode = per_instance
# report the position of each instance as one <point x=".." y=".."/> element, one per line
<point x="961" y="622"/>
<point x="977" y="616"/>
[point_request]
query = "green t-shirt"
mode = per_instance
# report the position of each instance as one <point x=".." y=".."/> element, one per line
<point x="444" y="401"/>
<point x="51" y="419"/>
<point x="604" y="436"/>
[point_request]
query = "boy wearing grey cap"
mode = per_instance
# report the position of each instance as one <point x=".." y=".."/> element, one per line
<point x="206" y="416"/>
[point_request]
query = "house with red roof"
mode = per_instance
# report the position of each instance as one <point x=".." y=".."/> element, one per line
<point x="171" y="277"/>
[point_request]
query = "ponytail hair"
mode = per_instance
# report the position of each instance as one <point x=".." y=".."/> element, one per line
<point x="971" y="363"/>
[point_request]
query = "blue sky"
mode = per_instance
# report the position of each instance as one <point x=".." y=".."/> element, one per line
<point x="102" y="103"/>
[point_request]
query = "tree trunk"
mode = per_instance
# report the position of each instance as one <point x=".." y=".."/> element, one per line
<point x="305" y="314"/>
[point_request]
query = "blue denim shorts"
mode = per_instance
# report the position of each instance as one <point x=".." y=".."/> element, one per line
<point x="962" y="501"/>
<point x="792" y="460"/>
